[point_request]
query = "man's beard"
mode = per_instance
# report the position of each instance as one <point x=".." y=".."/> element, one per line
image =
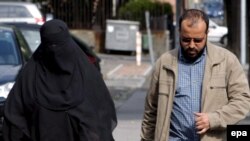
<point x="190" y="58"/>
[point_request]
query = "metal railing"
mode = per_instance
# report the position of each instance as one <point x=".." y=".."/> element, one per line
<point x="89" y="14"/>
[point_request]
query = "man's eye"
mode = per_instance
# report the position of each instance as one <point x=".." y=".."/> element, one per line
<point x="186" y="40"/>
<point x="195" y="40"/>
<point x="198" y="40"/>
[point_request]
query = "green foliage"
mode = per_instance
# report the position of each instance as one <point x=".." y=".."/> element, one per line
<point x="135" y="9"/>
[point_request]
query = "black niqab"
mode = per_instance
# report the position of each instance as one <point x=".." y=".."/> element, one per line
<point x="59" y="95"/>
<point x="59" y="76"/>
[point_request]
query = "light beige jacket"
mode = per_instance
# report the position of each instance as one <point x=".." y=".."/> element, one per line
<point x="225" y="95"/>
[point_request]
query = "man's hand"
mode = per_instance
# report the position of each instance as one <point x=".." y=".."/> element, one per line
<point x="201" y="122"/>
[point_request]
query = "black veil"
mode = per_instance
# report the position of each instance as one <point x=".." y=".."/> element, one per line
<point x="59" y="95"/>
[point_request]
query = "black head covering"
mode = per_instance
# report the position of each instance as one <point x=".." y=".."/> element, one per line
<point x="59" y="77"/>
<point x="59" y="95"/>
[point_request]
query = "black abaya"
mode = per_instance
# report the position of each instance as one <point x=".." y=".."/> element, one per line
<point x="59" y="95"/>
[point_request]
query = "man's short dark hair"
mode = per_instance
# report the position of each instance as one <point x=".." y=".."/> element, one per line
<point x="195" y="15"/>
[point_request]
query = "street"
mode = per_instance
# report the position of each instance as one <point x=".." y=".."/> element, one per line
<point x="129" y="117"/>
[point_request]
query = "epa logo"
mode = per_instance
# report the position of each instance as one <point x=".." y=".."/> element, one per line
<point x="239" y="134"/>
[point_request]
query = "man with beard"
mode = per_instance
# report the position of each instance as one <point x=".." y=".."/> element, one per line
<point x="196" y="90"/>
<point x="59" y="95"/>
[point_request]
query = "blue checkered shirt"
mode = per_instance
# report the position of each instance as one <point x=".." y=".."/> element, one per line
<point x="187" y="99"/>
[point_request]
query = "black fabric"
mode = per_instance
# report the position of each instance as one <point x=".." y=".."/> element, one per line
<point x="59" y="95"/>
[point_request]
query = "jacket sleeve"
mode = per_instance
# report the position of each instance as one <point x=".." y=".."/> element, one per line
<point x="150" y="112"/>
<point x="238" y="97"/>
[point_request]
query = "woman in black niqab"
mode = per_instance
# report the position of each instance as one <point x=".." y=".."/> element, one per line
<point x="59" y="95"/>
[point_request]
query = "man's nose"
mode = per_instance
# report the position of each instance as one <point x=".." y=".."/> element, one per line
<point x="192" y="44"/>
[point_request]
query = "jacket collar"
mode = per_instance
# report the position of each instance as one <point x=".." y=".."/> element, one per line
<point x="214" y="54"/>
<point x="170" y="60"/>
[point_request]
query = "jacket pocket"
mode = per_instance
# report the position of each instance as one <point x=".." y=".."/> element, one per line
<point x="218" y="84"/>
<point x="165" y="88"/>
<point x="163" y="100"/>
<point x="218" y="91"/>
<point x="163" y="110"/>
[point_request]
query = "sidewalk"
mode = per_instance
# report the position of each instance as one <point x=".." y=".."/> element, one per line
<point x="121" y="71"/>
<point x="125" y="81"/>
<point x="130" y="116"/>
<point x="123" y="77"/>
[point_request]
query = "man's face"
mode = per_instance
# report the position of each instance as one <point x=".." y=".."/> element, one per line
<point x="193" y="37"/>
